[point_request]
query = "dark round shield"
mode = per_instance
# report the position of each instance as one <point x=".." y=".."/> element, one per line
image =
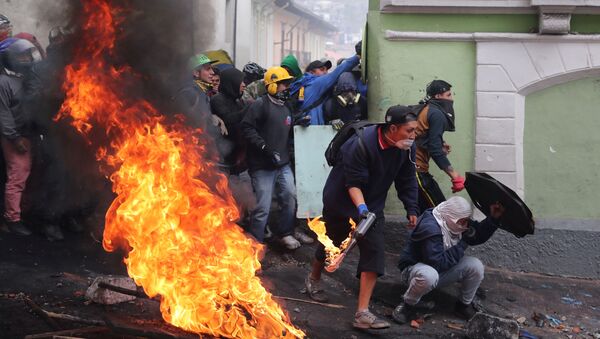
<point x="485" y="191"/>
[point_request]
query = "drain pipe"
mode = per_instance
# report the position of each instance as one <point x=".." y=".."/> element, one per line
<point x="235" y="19"/>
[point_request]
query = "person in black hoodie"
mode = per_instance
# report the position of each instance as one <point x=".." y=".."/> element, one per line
<point x="434" y="119"/>
<point x="267" y="127"/>
<point x="347" y="105"/>
<point x="228" y="106"/>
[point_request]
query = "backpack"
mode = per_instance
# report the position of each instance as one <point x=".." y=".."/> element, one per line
<point x="356" y="127"/>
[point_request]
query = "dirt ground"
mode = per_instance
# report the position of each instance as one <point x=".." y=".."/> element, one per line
<point x="56" y="275"/>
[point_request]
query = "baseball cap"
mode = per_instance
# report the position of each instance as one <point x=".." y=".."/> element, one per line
<point x="437" y="87"/>
<point x="318" y="64"/>
<point x="400" y="114"/>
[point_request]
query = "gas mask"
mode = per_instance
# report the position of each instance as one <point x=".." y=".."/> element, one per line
<point x="283" y="95"/>
<point x="348" y="98"/>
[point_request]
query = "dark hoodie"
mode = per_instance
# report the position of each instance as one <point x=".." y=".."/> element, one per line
<point x="228" y="106"/>
<point x="333" y="109"/>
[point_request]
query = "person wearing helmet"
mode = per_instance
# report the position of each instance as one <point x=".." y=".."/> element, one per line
<point x="193" y="100"/>
<point x="252" y="72"/>
<point x="267" y="127"/>
<point x="435" y="118"/>
<point x="17" y="57"/>
<point x="5" y="28"/>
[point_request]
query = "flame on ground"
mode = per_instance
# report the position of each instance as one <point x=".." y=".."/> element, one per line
<point x="173" y="213"/>
<point x="331" y="251"/>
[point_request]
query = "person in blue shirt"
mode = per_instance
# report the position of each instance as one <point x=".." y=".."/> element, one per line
<point x="315" y="87"/>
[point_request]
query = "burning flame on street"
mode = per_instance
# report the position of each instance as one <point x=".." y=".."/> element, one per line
<point x="174" y="213"/>
<point x="331" y="251"/>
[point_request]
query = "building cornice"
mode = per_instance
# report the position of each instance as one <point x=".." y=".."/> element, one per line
<point x="490" y="6"/>
<point x="484" y="36"/>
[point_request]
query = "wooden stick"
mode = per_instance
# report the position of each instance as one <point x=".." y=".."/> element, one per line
<point x="74" y="318"/>
<point x="77" y="331"/>
<point x="123" y="290"/>
<point x="40" y="312"/>
<point x="310" y="302"/>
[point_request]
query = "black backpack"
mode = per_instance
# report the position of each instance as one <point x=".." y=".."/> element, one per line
<point x="349" y="129"/>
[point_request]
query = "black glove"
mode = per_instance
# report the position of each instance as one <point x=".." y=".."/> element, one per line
<point x="358" y="48"/>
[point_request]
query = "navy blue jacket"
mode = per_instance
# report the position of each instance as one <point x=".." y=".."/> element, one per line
<point x="433" y="139"/>
<point x="373" y="173"/>
<point x="426" y="245"/>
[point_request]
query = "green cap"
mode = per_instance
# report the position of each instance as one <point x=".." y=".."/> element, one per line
<point x="199" y="60"/>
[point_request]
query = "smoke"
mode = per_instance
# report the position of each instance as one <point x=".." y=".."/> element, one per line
<point x="157" y="37"/>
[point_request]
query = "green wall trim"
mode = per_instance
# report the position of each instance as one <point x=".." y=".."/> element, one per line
<point x="585" y="24"/>
<point x="510" y="23"/>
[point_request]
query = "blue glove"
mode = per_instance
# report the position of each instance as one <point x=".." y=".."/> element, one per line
<point x="362" y="210"/>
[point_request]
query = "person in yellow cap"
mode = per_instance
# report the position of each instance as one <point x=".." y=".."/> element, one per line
<point x="266" y="127"/>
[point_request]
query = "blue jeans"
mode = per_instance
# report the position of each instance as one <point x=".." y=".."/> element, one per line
<point x="265" y="182"/>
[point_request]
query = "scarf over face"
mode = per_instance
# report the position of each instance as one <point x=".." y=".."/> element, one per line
<point x="447" y="215"/>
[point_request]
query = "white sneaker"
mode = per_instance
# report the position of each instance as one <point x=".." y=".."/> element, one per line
<point x="290" y="242"/>
<point x="303" y="238"/>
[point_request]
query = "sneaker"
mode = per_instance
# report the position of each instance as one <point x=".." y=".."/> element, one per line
<point x="464" y="311"/>
<point x="303" y="238"/>
<point x="404" y="312"/>
<point x="52" y="232"/>
<point x="314" y="290"/>
<point x="18" y="228"/>
<point x="290" y="242"/>
<point x="368" y="320"/>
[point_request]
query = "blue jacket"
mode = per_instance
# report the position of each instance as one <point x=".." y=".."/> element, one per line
<point x="373" y="173"/>
<point x="315" y="87"/>
<point x="426" y="245"/>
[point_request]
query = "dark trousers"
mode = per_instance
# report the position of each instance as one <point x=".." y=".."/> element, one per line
<point x="430" y="194"/>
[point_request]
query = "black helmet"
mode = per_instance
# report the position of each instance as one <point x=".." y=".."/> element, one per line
<point x="18" y="55"/>
<point x="5" y="28"/>
<point x="252" y="72"/>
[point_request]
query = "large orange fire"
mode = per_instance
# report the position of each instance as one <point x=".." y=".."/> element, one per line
<point x="174" y="213"/>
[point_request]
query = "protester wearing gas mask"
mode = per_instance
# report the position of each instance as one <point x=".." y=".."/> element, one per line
<point x="436" y="117"/>
<point x="17" y="56"/>
<point x="267" y="127"/>
<point x="368" y="162"/>
<point x="434" y="257"/>
<point x="346" y="105"/>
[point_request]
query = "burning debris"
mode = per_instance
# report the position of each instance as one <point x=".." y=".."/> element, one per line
<point x="332" y="252"/>
<point x="173" y="214"/>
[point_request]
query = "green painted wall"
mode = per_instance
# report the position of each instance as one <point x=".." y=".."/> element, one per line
<point x="398" y="73"/>
<point x="561" y="150"/>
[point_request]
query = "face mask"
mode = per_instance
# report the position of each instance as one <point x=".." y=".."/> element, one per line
<point x="404" y="144"/>
<point x="448" y="107"/>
